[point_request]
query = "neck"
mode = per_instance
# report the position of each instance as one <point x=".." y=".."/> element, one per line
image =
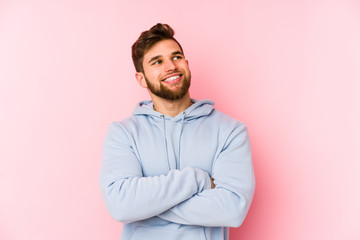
<point x="171" y="108"/>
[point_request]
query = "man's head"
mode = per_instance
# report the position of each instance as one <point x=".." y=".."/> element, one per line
<point x="160" y="63"/>
<point x="148" y="39"/>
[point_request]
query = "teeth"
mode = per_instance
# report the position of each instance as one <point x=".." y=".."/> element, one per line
<point x="172" y="78"/>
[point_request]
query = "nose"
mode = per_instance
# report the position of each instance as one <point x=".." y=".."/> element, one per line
<point x="170" y="66"/>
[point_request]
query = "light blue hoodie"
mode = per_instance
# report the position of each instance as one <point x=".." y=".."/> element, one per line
<point x="155" y="173"/>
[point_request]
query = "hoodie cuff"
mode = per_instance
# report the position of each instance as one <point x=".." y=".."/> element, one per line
<point x="208" y="182"/>
<point x="203" y="180"/>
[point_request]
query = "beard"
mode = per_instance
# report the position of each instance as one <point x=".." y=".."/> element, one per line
<point x="168" y="94"/>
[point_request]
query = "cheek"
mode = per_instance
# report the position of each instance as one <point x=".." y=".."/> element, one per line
<point x="156" y="74"/>
<point x="185" y="66"/>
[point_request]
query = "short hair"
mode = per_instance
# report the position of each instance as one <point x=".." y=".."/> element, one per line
<point x="148" y="39"/>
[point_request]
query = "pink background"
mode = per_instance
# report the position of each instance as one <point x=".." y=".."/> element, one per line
<point x="289" y="69"/>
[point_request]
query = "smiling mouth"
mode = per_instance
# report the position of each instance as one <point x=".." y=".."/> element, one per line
<point x="173" y="78"/>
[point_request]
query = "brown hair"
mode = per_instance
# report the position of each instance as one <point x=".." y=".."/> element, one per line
<point x="147" y="39"/>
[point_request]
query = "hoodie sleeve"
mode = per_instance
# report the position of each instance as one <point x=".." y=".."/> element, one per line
<point x="131" y="197"/>
<point x="227" y="204"/>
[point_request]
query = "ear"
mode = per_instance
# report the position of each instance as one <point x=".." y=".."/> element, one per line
<point x="140" y="77"/>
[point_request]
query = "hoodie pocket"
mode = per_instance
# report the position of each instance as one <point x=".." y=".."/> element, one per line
<point x="142" y="233"/>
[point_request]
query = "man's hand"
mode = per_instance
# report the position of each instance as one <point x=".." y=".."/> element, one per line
<point x="212" y="183"/>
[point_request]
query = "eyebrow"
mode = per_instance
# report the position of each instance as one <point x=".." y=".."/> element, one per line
<point x="159" y="56"/>
<point x="154" y="58"/>
<point x="177" y="53"/>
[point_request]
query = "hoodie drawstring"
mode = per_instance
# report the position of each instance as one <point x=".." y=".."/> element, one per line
<point x="178" y="162"/>
<point x="178" y="166"/>
<point x="165" y="142"/>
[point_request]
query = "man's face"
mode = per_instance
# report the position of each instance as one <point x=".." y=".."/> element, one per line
<point x="166" y="71"/>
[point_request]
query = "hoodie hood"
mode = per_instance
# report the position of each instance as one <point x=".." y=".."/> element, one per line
<point x="196" y="110"/>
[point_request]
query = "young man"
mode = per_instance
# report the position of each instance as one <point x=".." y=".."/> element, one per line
<point x="177" y="168"/>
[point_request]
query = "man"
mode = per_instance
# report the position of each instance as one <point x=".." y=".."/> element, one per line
<point x="177" y="168"/>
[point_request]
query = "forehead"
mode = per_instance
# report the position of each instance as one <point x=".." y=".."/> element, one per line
<point x="162" y="48"/>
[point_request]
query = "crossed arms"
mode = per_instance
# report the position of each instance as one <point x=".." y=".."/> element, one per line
<point x="187" y="196"/>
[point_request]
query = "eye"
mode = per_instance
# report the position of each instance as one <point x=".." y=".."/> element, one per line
<point x="177" y="57"/>
<point x="157" y="62"/>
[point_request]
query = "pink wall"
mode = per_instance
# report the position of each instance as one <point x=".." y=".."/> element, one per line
<point x="289" y="69"/>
